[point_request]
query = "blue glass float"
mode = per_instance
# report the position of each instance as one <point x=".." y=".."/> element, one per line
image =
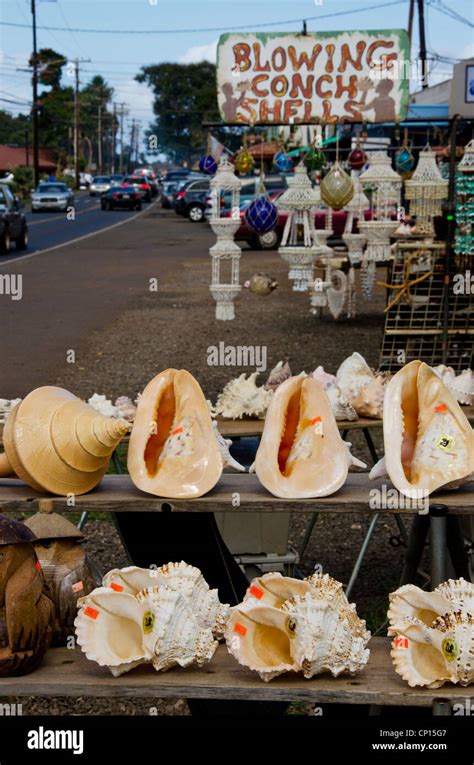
<point x="404" y="161"/>
<point x="207" y="164"/>
<point x="261" y="215"/>
<point x="283" y="162"/>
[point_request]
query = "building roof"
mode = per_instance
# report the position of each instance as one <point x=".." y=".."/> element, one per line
<point x="14" y="156"/>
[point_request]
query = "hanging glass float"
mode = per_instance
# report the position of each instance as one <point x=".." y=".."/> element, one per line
<point x="404" y="159"/>
<point x="283" y="162"/>
<point x="261" y="215"/>
<point x="337" y="188"/>
<point x="314" y="159"/>
<point x="357" y="157"/>
<point x="426" y="190"/>
<point x="244" y="162"/>
<point x="207" y="164"/>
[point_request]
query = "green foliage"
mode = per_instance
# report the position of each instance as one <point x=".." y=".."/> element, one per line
<point x="13" y="129"/>
<point x="50" y="65"/>
<point x="23" y="181"/>
<point x="184" y="96"/>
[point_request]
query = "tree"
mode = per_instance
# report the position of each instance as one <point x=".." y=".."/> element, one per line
<point x="50" y="65"/>
<point x="185" y="95"/>
<point x="13" y="130"/>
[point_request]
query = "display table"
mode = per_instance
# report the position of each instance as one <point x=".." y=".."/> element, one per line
<point x="67" y="672"/>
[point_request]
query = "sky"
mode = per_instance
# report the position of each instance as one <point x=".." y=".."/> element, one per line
<point x="182" y="31"/>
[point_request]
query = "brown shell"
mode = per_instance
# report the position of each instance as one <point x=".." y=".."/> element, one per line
<point x="52" y="526"/>
<point x="13" y="532"/>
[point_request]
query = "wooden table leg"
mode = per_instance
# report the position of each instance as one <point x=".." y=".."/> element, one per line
<point x="439" y="548"/>
<point x="416" y="543"/>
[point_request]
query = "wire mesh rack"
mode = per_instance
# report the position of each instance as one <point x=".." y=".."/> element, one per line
<point x="415" y="308"/>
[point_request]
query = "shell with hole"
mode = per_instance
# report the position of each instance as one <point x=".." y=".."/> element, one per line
<point x="179" y="577"/>
<point x="121" y="631"/>
<point x="339" y="404"/>
<point x="361" y="387"/>
<point x="428" y="440"/>
<point x="67" y="569"/>
<point x="309" y="633"/>
<point x="274" y="589"/>
<point x="56" y="443"/>
<point x="242" y="397"/>
<point x="173" y="451"/>
<point x="301" y="453"/>
<point x="434" y="634"/>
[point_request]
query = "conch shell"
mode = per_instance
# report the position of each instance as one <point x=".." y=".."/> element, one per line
<point x="56" y="443"/>
<point x="242" y="396"/>
<point x="461" y="386"/>
<point x="361" y="387"/>
<point x="434" y="634"/>
<point x="120" y="631"/>
<point x="340" y="406"/>
<point x="173" y="451"/>
<point x="179" y="577"/>
<point x="301" y="453"/>
<point x="311" y="632"/>
<point x="278" y="375"/>
<point x="429" y="442"/>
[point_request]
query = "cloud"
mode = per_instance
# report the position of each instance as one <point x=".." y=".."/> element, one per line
<point x="200" y="53"/>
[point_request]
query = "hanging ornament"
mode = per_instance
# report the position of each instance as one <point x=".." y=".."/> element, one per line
<point x="261" y="214"/>
<point x="244" y="162"/>
<point x="337" y="188"/>
<point x="283" y="162"/>
<point x="426" y="191"/>
<point x="404" y="159"/>
<point x="357" y="157"/>
<point x="207" y="164"/>
<point x="314" y="159"/>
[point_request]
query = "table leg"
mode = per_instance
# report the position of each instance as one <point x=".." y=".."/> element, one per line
<point x="362" y="552"/>
<point x="307" y="535"/>
<point x="441" y="708"/>
<point x="416" y="543"/>
<point x="370" y="444"/>
<point x="439" y="549"/>
<point x="457" y="550"/>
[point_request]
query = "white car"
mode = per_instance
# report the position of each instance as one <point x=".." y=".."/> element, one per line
<point x="51" y="196"/>
<point x="99" y="185"/>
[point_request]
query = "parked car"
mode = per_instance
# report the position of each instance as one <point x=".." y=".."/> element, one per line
<point x="51" y="196"/>
<point x="100" y="184"/>
<point x="152" y="179"/>
<point x="190" y="200"/>
<point x="116" y="179"/>
<point x="169" y="187"/>
<point x="121" y="196"/>
<point x="249" y="189"/>
<point x="140" y="184"/>
<point x="13" y="225"/>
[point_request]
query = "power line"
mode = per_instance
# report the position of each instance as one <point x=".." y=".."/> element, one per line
<point x="376" y="6"/>
<point x="442" y="8"/>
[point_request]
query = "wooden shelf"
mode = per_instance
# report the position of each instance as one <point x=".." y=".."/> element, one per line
<point x="69" y="673"/>
<point x="116" y="493"/>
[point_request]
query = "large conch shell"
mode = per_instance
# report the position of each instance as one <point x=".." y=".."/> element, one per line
<point x="434" y="634"/>
<point x="312" y="632"/>
<point x="340" y="406"/>
<point x="56" y="443"/>
<point x="242" y="396"/>
<point x="361" y="387"/>
<point x="428" y="440"/>
<point x="301" y="453"/>
<point x="461" y="386"/>
<point x="120" y="631"/>
<point x="179" y="577"/>
<point x="173" y="451"/>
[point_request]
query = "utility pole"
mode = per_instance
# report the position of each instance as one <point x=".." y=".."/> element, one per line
<point x="411" y="14"/>
<point x="76" y="62"/>
<point x="35" y="100"/>
<point x="99" y="137"/>
<point x="421" y="22"/>
<point x="137" y="131"/>
<point x="132" y="143"/>
<point x="121" y="115"/>
<point x="112" y="159"/>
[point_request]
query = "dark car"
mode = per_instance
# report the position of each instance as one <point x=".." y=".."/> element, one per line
<point x="13" y="225"/>
<point x="274" y="184"/>
<point x="140" y="184"/>
<point x="169" y="187"/>
<point x="152" y="180"/>
<point x="121" y="196"/>
<point x="190" y="200"/>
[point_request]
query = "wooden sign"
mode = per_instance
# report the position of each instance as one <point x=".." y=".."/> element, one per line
<point x="326" y="77"/>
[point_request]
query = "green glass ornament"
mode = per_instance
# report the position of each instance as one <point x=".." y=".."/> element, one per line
<point x="314" y="159"/>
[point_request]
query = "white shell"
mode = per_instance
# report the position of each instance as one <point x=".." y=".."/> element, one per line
<point x="363" y="389"/>
<point x="314" y="631"/>
<point x="340" y="406"/>
<point x="461" y="386"/>
<point x="242" y="396"/>
<point x="6" y="405"/>
<point x="103" y="405"/>
<point x="224" y="445"/>
<point x="179" y="577"/>
<point x="121" y="631"/>
<point x="126" y="407"/>
<point x="434" y="634"/>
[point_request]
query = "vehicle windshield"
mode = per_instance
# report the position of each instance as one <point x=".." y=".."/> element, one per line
<point x="52" y="187"/>
<point x="101" y="179"/>
<point x="141" y="179"/>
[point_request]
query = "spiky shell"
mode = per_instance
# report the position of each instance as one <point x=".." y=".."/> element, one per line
<point x="242" y="396"/>
<point x="340" y="405"/>
<point x="179" y="577"/>
<point x="434" y="634"/>
<point x="362" y="388"/>
<point x="273" y="589"/>
<point x="461" y="386"/>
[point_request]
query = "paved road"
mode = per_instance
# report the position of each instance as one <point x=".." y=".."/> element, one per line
<point x="71" y="291"/>
<point x="49" y="229"/>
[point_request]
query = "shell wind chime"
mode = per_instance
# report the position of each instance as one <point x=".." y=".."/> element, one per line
<point x="385" y="186"/>
<point x="464" y="236"/>
<point x="57" y="443"/>
<point x="225" y="250"/>
<point x="68" y="571"/>
<point x="26" y="607"/>
<point x="299" y="244"/>
<point x="426" y="190"/>
<point x="355" y="209"/>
